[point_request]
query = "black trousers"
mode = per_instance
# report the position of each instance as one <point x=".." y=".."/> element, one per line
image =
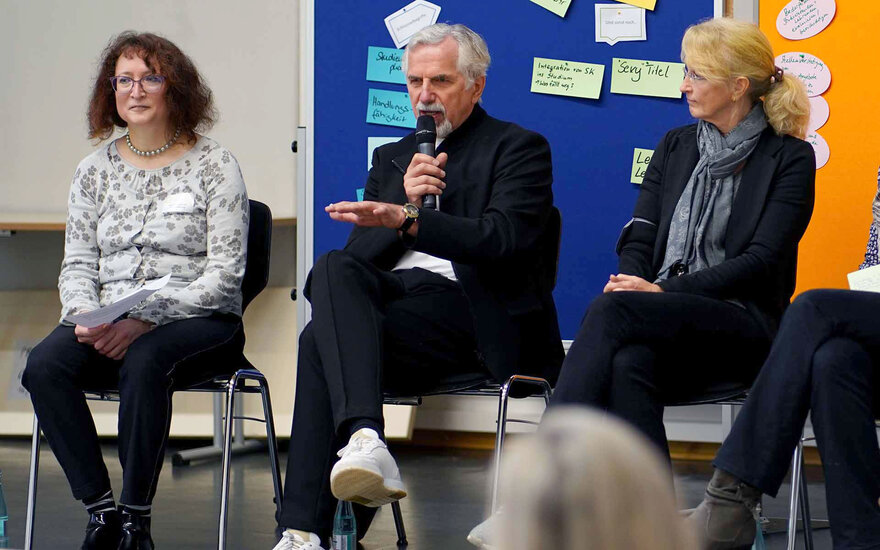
<point x="371" y="331"/>
<point x="636" y="351"/>
<point x="59" y="368"/>
<point x="825" y="361"/>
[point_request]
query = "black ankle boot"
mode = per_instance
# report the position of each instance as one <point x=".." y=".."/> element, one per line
<point x="103" y="531"/>
<point x="725" y="520"/>
<point x="135" y="533"/>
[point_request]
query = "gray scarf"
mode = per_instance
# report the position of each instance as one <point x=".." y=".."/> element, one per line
<point x="699" y="222"/>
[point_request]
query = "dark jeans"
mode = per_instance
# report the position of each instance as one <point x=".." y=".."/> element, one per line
<point x="371" y="331"/>
<point x="636" y="351"/>
<point x="825" y="361"/>
<point x="59" y="368"/>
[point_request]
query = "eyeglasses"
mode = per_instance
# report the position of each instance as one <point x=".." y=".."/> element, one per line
<point x="692" y="76"/>
<point x="125" y="84"/>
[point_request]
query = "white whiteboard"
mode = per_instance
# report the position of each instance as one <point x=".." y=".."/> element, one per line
<point x="49" y="49"/>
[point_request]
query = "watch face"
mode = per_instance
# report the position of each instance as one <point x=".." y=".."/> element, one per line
<point x="411" y="210"/>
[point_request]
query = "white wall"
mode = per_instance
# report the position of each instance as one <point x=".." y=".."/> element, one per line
<point x="747" y="10"/>
<point x="49" y="51"/>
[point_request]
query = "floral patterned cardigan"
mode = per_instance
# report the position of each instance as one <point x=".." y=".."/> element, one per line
<point x="127" y="226"/>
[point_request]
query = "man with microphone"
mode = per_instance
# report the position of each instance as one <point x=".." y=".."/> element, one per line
<point x="423" y="294"/>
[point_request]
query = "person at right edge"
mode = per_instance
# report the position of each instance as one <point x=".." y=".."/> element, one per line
<point x="825" y="361"/>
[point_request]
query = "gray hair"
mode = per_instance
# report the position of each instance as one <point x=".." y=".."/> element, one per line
<point x="473" y="54"/>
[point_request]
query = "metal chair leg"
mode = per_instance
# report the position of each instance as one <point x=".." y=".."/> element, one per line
<point x="500" y="431"/>
<point x="240" y="445"/>
<point x="227" y="459"/>
<point x="805" y="507"/>
<point x="398" y="524"/>
<point x="272" y="442"/>
<point x="32" y="486"/>
<point x="796" y="462"/>
<point x="501" y="423"/>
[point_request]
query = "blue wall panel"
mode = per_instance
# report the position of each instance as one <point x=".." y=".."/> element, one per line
<point x="592" y="140"/>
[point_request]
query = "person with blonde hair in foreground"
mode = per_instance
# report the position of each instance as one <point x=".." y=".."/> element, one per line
<point x="587" y="480"/>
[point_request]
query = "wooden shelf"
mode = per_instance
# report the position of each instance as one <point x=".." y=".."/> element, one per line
<point x="32" y="221"/>
<point x="51" y="221"/>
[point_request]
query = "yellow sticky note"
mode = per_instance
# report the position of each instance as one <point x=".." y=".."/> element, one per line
<point x="647" y="4"/>
<point x="568" y="78"/>
<point x="641" y="159"/>
<point x="559" y="7"/>
<point x="642" y="77"/>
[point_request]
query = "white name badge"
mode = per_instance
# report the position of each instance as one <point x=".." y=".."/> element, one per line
<point x="180" y="203"/>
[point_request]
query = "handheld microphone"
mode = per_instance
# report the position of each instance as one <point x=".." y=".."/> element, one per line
<point x="426" y="139"/>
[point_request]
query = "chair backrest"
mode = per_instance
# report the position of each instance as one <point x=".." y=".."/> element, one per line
<point x="256" y="271"/>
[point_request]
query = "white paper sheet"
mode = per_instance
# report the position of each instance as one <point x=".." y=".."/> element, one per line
<point x="108" y="313"/>
<point x="801" y="19"/>
<point x="819" y="112"/>
<point x="616" y="23"/>
<point x="867" y="279"/>
<point x="820" y="147"/>
<point x="410" y="19"/>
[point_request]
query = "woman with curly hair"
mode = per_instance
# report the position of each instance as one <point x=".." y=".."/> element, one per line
<point x="160" y="200"/>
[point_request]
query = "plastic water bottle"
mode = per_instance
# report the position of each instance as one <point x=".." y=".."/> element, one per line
<point x="4" y="515"/>
<point x="344" y="527"/>
<point x="759" y="532"/>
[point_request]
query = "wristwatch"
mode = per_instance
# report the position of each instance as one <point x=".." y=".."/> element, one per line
<point x="411" y="214"/>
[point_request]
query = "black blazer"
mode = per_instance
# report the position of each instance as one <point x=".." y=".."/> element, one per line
<point x="770" y="213"/>
<point x="492" y="227"/>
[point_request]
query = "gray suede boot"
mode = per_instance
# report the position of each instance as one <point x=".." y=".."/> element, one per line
<point x="726" y="518"/>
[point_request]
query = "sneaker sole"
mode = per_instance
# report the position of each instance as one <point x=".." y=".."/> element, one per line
<point x="364" y="487"/>
<point x="479" y="543"/>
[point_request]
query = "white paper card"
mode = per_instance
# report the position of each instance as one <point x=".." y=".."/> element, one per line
<point x="811" y="70"/>
<point x="819" y="112"/>
<point x="867" y="279"/>
<point x="179" y="203"/>
<point x="109" y="313"/>
<point x="373" y="142"/>
<point x="820" y="148"/>
<point x="801" y="19"/>
<point x="616" y="23"/>
<point x="410" y="19"/>
<point x="21" y="350"/>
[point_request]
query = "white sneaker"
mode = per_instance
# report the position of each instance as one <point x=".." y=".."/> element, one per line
<point x="483" y="535"/>
<point x="292" y="541"/>
<point x="366" y="472"/>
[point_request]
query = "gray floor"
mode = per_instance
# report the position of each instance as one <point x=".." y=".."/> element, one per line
<point x="446" y="498"/>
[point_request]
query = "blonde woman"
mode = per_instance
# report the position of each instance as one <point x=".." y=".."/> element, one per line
<point x="707" y="263"/>
<point x="588" y="481"/>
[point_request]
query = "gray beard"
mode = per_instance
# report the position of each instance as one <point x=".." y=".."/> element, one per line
<point x="444" y="129"/>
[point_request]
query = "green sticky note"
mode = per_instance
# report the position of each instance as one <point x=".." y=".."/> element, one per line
<point x="568" y="78"/>
<point x="641" y="159"/>
<point x="390" y="108"/>
<point x="559" y="7"/>
<point x="642" y="77"/>
<point x="383" y="65"/>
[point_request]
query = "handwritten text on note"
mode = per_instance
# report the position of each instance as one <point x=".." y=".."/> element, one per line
<point x="801" y="19"/>
<point x="808" y="68"/>
<point x="568" y="78"/>
<point x="642" y="77"/>
<point x="383" y="65"/>
<point x="641" y="159"/>
<point x="390" y="108"/>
